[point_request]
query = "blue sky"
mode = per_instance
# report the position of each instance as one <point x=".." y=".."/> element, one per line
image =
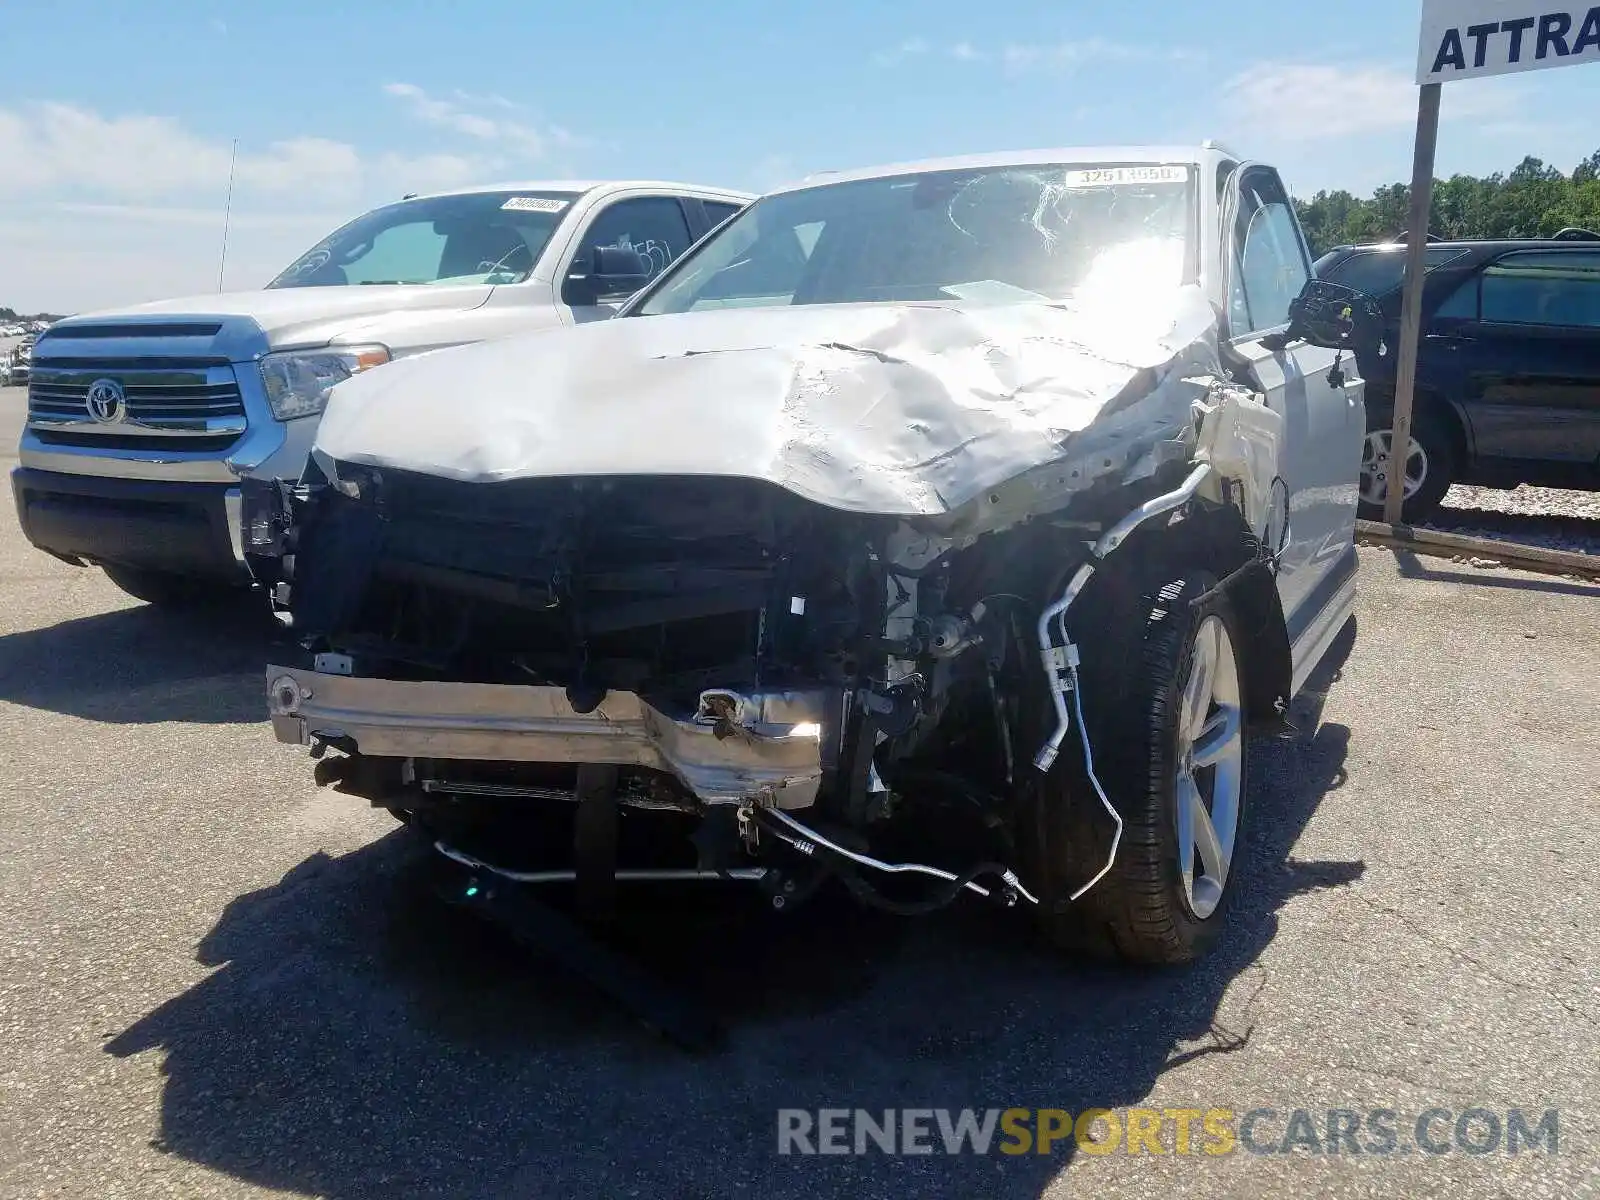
<point x="116" y="118"/>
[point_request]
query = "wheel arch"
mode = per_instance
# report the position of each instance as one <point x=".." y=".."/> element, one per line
<point x="1450" y="414"/>
<point x="1217" y="539"/>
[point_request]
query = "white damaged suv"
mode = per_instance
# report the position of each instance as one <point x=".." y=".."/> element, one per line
<point x="935" y="530"/>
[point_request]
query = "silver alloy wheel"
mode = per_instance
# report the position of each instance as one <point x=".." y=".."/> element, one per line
<point x="1210" y="767"/>
<point x="1376" y="465"/>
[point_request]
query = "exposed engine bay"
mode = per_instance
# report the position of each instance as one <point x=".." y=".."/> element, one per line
<point x="770" y="679"/>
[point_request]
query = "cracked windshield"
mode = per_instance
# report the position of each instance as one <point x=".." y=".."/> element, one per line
<point x="1047" y="232"/>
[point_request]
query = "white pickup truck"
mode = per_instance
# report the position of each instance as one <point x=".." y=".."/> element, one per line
<point x="141" y="422"/>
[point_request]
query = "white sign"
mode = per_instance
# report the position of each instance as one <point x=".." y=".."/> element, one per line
<point x="533" y="204"/>
<point x="1468" y="39"/>
<point x="1122" y="176"/>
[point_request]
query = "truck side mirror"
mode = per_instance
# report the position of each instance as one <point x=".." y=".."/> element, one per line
<point x="612" y="272"/>
<point x="1335" y="317"/>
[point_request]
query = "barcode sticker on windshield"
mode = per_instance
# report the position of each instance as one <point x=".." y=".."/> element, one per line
<point x="534" y="204"/>
<point x="1122" y="176"/>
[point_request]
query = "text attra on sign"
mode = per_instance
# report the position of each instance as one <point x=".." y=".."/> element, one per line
<point x="1467" y="39"/>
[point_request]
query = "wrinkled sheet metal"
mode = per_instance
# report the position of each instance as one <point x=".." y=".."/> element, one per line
<point x="913" y="410"/>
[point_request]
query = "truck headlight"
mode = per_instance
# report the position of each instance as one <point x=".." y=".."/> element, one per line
<point x="297" y="381"/>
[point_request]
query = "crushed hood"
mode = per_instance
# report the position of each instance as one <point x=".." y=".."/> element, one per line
<point x="310" y="315"/>
<point x="903" y="409"/>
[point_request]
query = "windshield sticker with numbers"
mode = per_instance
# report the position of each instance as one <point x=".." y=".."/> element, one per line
<point x="1122" y="176"/>
<point x="534" y="204"/>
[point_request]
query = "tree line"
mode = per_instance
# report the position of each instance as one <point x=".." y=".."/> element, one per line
<point x="10" y="316"/>
<point x="1534" y="200"/>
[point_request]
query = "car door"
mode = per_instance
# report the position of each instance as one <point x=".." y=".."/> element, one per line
<point x="1528" y="350"/>
<point x="1267" y="265"/>
<point x="657" y="226"/>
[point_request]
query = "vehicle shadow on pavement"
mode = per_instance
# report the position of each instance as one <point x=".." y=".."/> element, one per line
<point x="1413" y="566"/>
<point x="361" y="1038"/>
<point x="142" y="665"/>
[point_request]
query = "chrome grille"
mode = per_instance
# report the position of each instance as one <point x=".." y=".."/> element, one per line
<point x="168" y="405"/>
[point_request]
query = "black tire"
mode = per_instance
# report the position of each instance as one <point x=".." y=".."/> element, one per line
<point x="1438" y="444"/>
<point x="166" y="590"/>
<point x="1133" y="681"/>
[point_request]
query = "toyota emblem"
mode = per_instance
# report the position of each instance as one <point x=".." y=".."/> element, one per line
<point x="107" y="402"/>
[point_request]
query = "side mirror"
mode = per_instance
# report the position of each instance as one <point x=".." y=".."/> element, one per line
<point x="622" y="266"/>
<point x="1335" y="317"/>
<point x="613" y="272"/>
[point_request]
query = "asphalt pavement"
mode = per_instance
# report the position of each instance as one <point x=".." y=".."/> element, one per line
<point x="217" y="980"/>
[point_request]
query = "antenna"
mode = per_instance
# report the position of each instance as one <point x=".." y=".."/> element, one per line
<point x="227" y="216"/>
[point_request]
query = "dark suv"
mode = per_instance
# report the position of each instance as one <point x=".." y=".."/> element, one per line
<point x="1508" y="376"/>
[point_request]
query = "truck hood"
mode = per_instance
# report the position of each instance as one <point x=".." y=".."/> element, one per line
<point x="909" y="409"/>
<point x="311" y="315"/>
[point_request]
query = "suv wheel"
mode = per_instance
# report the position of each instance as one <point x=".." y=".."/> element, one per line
<point x="1429" y="466"/>
<point x="166" y="590"/>
<point x="1172" y="757"/>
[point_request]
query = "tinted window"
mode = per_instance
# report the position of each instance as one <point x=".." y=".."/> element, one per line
<point x="1097" y="233"/>
<point x="717" y="212"/>
<point x="482" y="237"/>
<point x="1462" y="304"/>
<point x="1270" y="267"/>
<point x="1379" y="272"/>
<point x="1544" y="288"/>
<point x="652" y="225"/>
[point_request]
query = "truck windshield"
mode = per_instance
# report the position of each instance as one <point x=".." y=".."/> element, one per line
<point x="988" y="235"/>
<point x="481" y="237"/>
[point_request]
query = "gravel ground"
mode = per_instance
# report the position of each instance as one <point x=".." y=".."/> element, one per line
<point x="217" y="981"/>
<point x="1549" y="517"/>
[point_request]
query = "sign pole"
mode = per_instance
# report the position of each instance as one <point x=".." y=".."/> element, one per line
<point x="1411" y="303"/>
